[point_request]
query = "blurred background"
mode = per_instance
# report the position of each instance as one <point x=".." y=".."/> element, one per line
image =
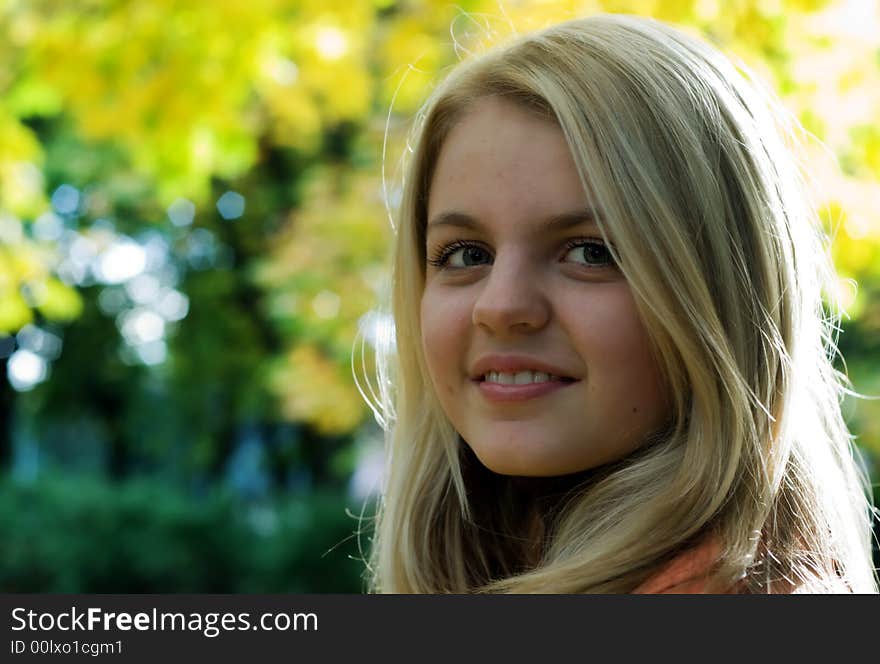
<point x="194" y="238"/>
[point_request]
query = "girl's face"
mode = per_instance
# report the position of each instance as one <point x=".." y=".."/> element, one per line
<point x="531" y="335"/>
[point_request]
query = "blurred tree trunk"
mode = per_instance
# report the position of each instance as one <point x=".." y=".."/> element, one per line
<point x="109" y="408"/>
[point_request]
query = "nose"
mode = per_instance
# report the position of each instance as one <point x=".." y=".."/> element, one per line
<point x="513" y="299"/>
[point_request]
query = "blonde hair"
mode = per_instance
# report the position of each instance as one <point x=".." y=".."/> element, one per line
<point x="688" y="161"/>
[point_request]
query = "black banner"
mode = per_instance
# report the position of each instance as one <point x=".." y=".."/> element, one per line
<point x="291" y="628"/>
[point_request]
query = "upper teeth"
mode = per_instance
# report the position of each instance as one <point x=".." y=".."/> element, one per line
<point x="519" y="378"/>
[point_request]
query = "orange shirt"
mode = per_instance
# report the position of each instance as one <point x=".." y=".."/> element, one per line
<point x="688" y="573"/>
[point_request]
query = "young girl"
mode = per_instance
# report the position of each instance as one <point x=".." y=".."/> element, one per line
<point x="612" y="368"/>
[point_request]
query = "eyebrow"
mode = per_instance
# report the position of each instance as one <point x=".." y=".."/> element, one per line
<point x="554" y="222"/>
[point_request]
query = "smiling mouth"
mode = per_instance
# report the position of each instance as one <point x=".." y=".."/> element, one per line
<point x="522" y="378"/>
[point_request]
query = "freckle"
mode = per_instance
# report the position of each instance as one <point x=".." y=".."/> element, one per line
<point x="635" y="410"/>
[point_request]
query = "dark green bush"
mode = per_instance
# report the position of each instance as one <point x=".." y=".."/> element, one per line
<point x="82" y="535"/>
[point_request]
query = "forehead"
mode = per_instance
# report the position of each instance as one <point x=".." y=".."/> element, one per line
<point x="504" y="162"/>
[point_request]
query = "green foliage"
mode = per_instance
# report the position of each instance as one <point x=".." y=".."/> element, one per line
<point x="80" y="535"/>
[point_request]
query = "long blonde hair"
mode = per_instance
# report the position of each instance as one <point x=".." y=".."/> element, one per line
<point x="691" y="165"/>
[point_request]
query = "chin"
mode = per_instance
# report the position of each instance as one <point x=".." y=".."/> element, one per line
<point x="502" y="463"/>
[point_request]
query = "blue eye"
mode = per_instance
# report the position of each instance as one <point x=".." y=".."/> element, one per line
<point x="470" y="255"/>
<point x="593" y="253"/>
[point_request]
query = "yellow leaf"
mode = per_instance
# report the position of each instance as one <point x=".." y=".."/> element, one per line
<point x="311" y="389"/>
<point x="59" y="302"/>
<point x="14" y="312"/>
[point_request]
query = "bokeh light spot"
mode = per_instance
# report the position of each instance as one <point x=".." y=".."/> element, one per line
<point x="326" y="304"/>
<point x="26" y="178"/>
<point x="283" y="71"/>
<point x="230" y="205"/>
<point x="331" y="42"/>
<point x="71" y="273"/>
<point x="82" y="250"/>
<point x="143" y="289"/>
<point x="120" y="262"/>
<point x="48" y="227"/>
<point x="141" y="326"/>
<point x="182" y="212"/>
<point x="66" y="199"/>
<point x="26" y="370"/>
<point x="40" y="341"/>
<point x="11" y="231"/>
<point x="173" y="305"/>
<point x="153" y="352"/>
<point x="157" y="250"/>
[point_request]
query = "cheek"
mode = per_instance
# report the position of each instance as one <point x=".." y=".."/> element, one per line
<point x="444" y="324"/>
<point x="606" y="322"/>
<point x="616" y="348"/>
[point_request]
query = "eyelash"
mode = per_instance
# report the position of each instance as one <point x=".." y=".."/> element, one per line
<point x="440" y="257"/>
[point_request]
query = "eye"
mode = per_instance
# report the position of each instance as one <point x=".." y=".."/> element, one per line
<point x="459" y="254"/>
<point x="593" y="253"/>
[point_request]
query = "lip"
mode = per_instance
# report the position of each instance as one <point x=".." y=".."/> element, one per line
<point x="499" y="393"/>
<point x="514" y="364"/>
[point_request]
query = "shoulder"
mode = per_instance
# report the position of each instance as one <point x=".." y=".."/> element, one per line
<point x="689" y="572"/>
